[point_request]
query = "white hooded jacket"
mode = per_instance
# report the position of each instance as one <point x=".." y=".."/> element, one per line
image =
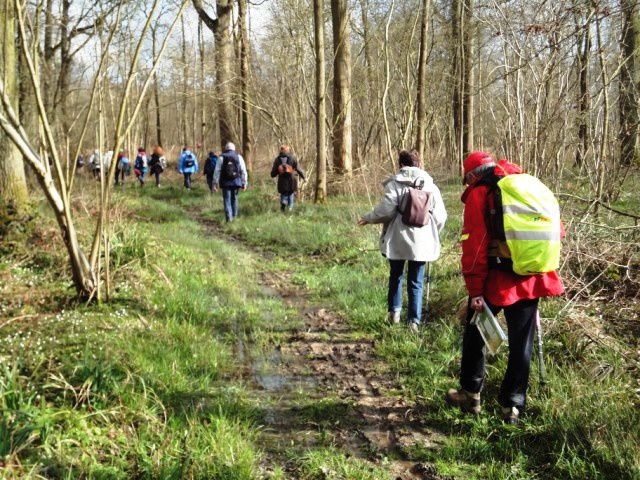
<point x="402" y="242"/>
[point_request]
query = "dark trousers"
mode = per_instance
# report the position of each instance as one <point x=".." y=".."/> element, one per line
<point x="210" y="181"/>
<point x="187" y="179"/>
<point x="521" y="326"/>
<point x="157" y="175"/>
<point x="230" y="199"/>
<point x="120" y="175"/>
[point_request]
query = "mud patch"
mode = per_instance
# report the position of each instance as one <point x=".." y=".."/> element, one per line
<point x="323" y="385"/>
<point x="356" y="404"/>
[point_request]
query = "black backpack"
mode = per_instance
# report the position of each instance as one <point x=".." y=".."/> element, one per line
<point x="230" y="168"/>
<point x="188" y="161"/>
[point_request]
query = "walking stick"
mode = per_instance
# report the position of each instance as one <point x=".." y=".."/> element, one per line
<point x="542" y="371"/>
<point x="428" y="292"/>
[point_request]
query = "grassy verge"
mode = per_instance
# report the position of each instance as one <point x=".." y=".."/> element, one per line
<point x="583" y="426"/>
<point x="147" y="386"/>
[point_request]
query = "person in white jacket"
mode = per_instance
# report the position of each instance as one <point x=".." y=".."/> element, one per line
<point x="401" y="243"/>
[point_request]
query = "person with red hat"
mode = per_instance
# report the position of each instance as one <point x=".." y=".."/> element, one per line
<point x="492" y="283"/>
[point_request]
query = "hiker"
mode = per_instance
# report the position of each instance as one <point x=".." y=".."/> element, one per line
<point x="141" y="165"/>
<point x="231" y="176"/>
<point x="210" y="169"/>
<point x="95" y="164"/>
<point x="284" y="167"/>
<point x="157" y="163"/>
<point x="123" y="168"/>
<point x="488" y="269"/>
<point x="187" y="166"/>
<point x="106" y="161"/>
<point x="401" y="242"/>
<point x="79" y="162"/>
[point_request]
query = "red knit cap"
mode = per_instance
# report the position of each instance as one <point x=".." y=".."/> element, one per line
<point x="477" y="159"/>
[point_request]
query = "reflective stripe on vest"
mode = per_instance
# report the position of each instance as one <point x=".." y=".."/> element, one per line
<point x="531" y="224"/>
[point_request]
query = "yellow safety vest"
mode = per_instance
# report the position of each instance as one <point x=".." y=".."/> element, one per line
<point x="532" y="228"/>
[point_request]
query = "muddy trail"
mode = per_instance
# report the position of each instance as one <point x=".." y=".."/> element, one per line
<point x="322" y="385"/>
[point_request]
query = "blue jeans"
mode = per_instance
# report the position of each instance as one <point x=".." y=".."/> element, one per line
<point x="287" y="200"/>
<point x="415" y="283"/>
<point x="230" y="198"/>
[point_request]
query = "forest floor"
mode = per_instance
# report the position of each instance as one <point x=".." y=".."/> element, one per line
<point x="260" y="349"/>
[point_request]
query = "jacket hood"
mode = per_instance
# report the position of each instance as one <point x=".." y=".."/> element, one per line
<point x="408" y="175"/>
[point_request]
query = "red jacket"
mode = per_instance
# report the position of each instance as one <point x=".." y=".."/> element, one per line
<point x="499" y="287"/>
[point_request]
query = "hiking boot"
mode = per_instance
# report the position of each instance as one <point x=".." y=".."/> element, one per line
<point x="414" y="327"/>
<point x="394" y="318"/>
<point x="466" y="401"/>
<point x="511" y="415"/>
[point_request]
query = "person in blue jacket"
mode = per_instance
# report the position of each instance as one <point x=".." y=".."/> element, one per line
<point x="231" y="176"/>
<point x="187" y="166"/>
<point x="210" y="169"/>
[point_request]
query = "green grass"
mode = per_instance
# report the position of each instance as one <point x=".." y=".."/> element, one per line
<point x="584" y="426"/>
<point x="150" y="385"/>
<point x="146" y="386"/>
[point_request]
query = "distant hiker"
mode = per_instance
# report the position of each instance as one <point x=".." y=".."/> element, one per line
<point x="187" y="166"/>
<point x="231" y="175"/>
<point x="403" y="239"/>
<point x="141" y="165"/>
<point x="95" y="163"/>
<point x="123" y="168"/>
<point x="157" y="163"/>
<point x="106" y="161"/>
<point x="284" y="167"/>
<point x="210" y="169"/>
<point x="80" y="161"/>
<point x="492" y="251"/>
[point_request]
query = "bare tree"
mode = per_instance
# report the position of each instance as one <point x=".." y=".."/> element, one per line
<point x="342" y="139"/>
<point x="422" y="74"/>
<point x="13" y="185"/>
<point x="461" y="22"/>
<point x="629" y="115"/>
<point x="321" y="109"/>
<point x="221" y="28"/>
<point x="48" y="167"/>
<point x="245" y="74"/>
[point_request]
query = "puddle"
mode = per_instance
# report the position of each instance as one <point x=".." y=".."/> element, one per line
<point x="269" y="373"/>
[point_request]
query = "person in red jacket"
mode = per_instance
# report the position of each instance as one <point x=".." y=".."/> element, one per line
<point x="490" y="280"/>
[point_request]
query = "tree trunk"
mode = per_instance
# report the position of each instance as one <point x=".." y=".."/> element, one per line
<point x="13" y="185"/>
<point x="462" y="101"/>
<point x="156" y="93"/>
<point x="203" y="121"/>
<point x="584" y="46"/>
<point x="321" y="111"/>
<point x="185" y="87"/>
<point x="342" y="138"/>
<point x="629" y="117"/>
<point x="221" y="28"/>
<point x="422" y="73"/>
<point x="48" y="67"/>
<point x="247" y="120"/>
<point x="62" y="97"/>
